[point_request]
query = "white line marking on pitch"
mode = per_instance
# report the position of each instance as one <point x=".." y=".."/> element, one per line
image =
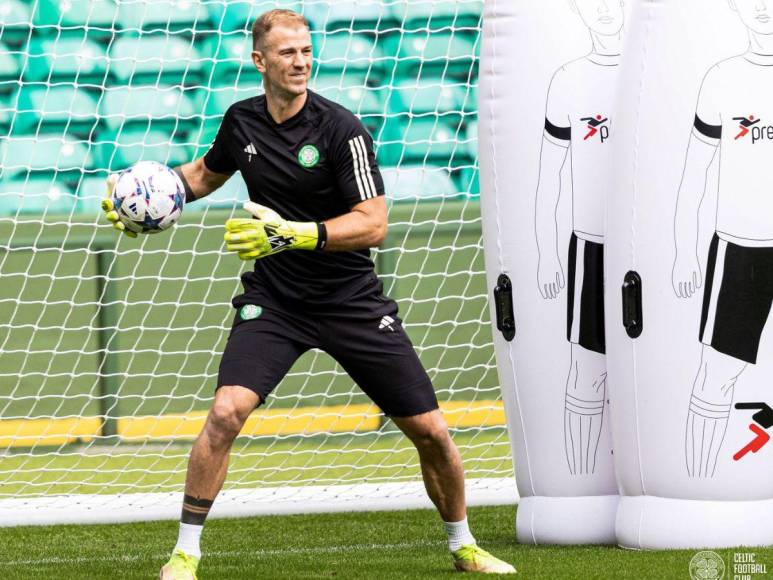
<point x="233" y="554"/>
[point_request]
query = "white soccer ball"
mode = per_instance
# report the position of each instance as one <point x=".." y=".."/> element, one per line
<point x="148" y="197"/>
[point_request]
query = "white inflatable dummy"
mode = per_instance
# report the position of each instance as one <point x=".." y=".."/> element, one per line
<point x="548" y="77"/>
<point x="690" y="234"/>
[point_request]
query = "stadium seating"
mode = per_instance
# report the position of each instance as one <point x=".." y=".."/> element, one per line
<point x="117" y="82"/>
<point x="417" y="14"/>
<point x="66" y="59"/>
<point x="54" y="109"/>
<point x="35" y="195"/>
<point x="155" y="58"/>
<point x="50" y="154"/>
<point x="240" y="14"/>
<point x="15" y="22"/>
<point x="9" y="66"/>
<point x="77" y="18"/>
<point x="231" y="195"/>
<point x="166" y="15"/>
<point x="158" y="107"/>
<point x="349" y="15"/>
<point x="417" y="182"/>
<point x="118" y="151"/>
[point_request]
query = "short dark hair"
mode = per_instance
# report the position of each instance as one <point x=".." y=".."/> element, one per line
<point x="266" y="21"/>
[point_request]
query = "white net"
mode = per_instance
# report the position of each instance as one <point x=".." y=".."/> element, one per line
<point x="109" y="348"/>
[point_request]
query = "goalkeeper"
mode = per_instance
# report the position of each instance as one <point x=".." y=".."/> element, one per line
<point x="317" y="201"/>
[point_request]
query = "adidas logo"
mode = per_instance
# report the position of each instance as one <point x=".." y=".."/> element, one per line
<point x="250" y="149"/>
<point x="387" y="322"/>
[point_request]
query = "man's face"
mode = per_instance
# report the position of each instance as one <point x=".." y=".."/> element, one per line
<point x="284" y="60"/>
<point x="603" y="17"/>
<point x="755" y="14"/>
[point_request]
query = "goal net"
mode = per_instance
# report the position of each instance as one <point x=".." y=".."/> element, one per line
<point x="109" y="347"/>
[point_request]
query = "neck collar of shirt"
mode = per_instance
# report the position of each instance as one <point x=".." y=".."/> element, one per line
<point x="604" y="59"/>
<point x="761" y="59"/>
<point x="292" y="121"/>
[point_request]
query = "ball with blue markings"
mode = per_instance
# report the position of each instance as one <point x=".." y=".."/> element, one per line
<point x="149" y="197"/>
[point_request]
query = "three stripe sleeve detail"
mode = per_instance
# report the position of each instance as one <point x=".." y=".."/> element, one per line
<point x="362" y="172"/>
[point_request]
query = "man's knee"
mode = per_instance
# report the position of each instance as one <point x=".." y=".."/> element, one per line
<point x="427" y="431"/>
<point x="226" y="418"/>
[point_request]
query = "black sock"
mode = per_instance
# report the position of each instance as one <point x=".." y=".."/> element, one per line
<point x="195" y="510"/>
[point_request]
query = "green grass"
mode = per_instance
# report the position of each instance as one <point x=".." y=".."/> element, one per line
<point x="406" y="544"/>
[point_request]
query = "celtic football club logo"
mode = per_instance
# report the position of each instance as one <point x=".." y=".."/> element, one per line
<point x="250" y="312"/>
<point x="308" y="156"/>
<point x="707" y="565"/>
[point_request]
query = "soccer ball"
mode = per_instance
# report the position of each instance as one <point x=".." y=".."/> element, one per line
<point x="148" y="197"/>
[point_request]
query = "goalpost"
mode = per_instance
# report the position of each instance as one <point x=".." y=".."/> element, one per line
<point x="109" y="347"/>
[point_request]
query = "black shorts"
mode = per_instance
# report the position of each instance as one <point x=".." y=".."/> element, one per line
<point x="736" y="298"/>
<point x="365" y="336"/>
<point x="585" y="298"/>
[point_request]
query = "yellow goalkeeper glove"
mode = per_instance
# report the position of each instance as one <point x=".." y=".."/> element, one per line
<point x="109" y="209"/>
<point x="270" y="233"/>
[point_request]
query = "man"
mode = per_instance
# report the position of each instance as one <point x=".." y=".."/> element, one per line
<point x="308" y="159"/>
<point x="733" y="120"/>
<point x="577" y="122"/>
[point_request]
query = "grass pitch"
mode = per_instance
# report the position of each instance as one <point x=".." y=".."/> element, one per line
<point x="406" y="544"/>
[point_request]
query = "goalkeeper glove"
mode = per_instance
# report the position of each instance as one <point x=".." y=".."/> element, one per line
<point x="109" y="209"/>
<point x="269" y="234"/>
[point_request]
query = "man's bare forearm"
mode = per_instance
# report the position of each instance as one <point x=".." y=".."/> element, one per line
<point x="198" y="180"/>
<point x="362" y="228"/>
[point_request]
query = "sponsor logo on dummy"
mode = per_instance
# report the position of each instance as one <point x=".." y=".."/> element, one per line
<point x="762" y="420"/>
<point x="751" y="127"/>
<point x="250" y="312"/>
<point x="598" y="126"/>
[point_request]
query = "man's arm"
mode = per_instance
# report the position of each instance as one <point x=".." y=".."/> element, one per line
<point x="198" y="180"/>
<point x="365" y="226"/>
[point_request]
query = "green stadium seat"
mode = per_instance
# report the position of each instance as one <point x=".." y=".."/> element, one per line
<point x="166" y="15"/>
<point x="411" y="182"/>
<point x="350" y="52"/>
<point x="15" y="21"/>
<point x="9" y="64"/>
<point x="435" y="96"/>
<point x="453" y="53"/>
<point x="350" y="91"/>
<point x="240" y="14"/>
<point x="160" y="107"/>
<point x="66" y="58"/>
<point x="415" y="14"/>
<point x="215" y="101"/>
<point x="116" y="151"/>
<point x="349" y="15"/>
<point x="231" y="195"/>
<point x="90" y="191"/>
<point x="226" y="58"/>
<point x="26" y="194"/>
<point x="77" y="16"/>
<point x="7" y="111"/>
<point x="44" y="109"/>
<point x="44" y="153"/>
<point x="423" y="139"/>
<point x="153" y="59"/>
<point x="469" y="181"/>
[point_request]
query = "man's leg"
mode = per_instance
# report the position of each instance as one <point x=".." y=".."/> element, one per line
<point x="441" y="464"/>
<point x="709" y="410"/>
<point x="207" y="469"/>
<point x="584" y="408"/>
<point x="441" y="468"/>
